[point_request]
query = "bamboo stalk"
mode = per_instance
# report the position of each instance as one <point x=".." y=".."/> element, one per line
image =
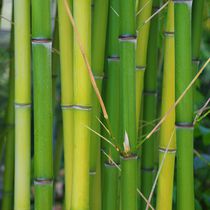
<point x="128" y="105"/>
<point x="111" y="98"/>
<point x="58" y="132"/>
<point x="143" y="13"/>
<point x="66" y="59"/>
<point x="150" y="108"/>
<point x="100" y="14"/>
<point x="22" y="104"/>
<point x="165" y="181"/>
<point x="42" y="78"/>
<point x="82" y="106"/>
<point x="184" y="110"/>
<point x="8" y="180"/>
<point x="197" y="19"/>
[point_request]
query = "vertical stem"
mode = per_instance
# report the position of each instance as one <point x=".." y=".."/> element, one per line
<point x="128" y="105"/>
<point x="184" y="110"/>
<point x="143" y="13"/>
<point x="22" y="104"/>
<point x="100" y="14"/>
<point x="167" y="144"/>
<point x="150" y="107"/>
<point x="42" y="80"/>
<point x="66" y="59"/>
<point x="8" y="180"/>
<point x="111" y="98"/>
<point x="82" y="107"/>
<point x="197" y="23"/>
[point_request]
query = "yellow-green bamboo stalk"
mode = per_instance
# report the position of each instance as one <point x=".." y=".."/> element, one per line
<point x="167" y="144"/>
<point x="66" y="60"/>
<point x="22" y="104"/>
<point x="143" y="13"/>
<point x="82" y="106"/>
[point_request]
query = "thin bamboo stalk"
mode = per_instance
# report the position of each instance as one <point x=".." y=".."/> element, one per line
<point x="184" y="110"/>
<point x="143" y="13"/>
<point x="128" y="105"/>
<point x="58" y="132"/>
<point x="22" y="104"/>
<point x="42" y="79"/>
<point x="165" y="181"/>
<point x="82" y="106"/>
<point x="150" y="108"/>
<point x="8" y="180"/>
<point x="66" y="59"/>
<point x="197" y="17"/>
<point x="100" y="14"/>
<point x="111" y="98"/>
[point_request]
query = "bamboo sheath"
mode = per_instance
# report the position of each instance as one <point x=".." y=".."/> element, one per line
<point x="128" y="107"/>
<point x="150" y="108"/>
<point x="22" y="104"/>
<point x="66" y="61"/>
<point x="82" y="107"/>
<point x="184" y="110"/>
<point x="99" y="20"/>
<point x="167" y="143"/>
<point x="42" y="79"/>
<point x="8" y="180"/>
<point x="111" y="98"/>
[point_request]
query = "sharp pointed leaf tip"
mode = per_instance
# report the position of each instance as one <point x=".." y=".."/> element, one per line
<point x="126" y="143"/>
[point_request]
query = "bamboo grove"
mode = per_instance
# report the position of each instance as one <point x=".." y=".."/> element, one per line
<point x="105" y="90"/>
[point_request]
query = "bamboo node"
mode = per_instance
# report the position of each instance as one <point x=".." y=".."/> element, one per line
<point x="22" y="105"/>
<point x="183" y="125"/>
<point x="165" y="150"/>
<point x="41" y="41"/>
<point x="127" y="38"/>
<point x="77" y="107"/>
<point x="113" y="58"/>
<point x="129" y="157"/>
<point x="148" y="92"/>
<point x="112" y="165"/>
<point x="148" y="170"/>
<point x="98" y="77"/>
<point x="169" y="33"/>
<point x="92" y="173"/>
<point x="196" y="61"/>
<point x="140" y="68"/>
<point x="43" y="181"/>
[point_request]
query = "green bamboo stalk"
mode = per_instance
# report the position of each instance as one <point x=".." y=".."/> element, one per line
<point x="128" y="105"/>
<point x="22" y="104"/>
<point x="111" y="97"/>
<point x="143" y="13"/>
<point x="184" y="110"/>
<point x="197" y="17"/>
<point x="167" y="144"/>
<point x="42" y="78"/>
<point x="82" y="107"/>
<point x="150" y="108"/>
<point x="66" y="58"/>
<point x="100" y="14"/>
<point x="8" y="180"/>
